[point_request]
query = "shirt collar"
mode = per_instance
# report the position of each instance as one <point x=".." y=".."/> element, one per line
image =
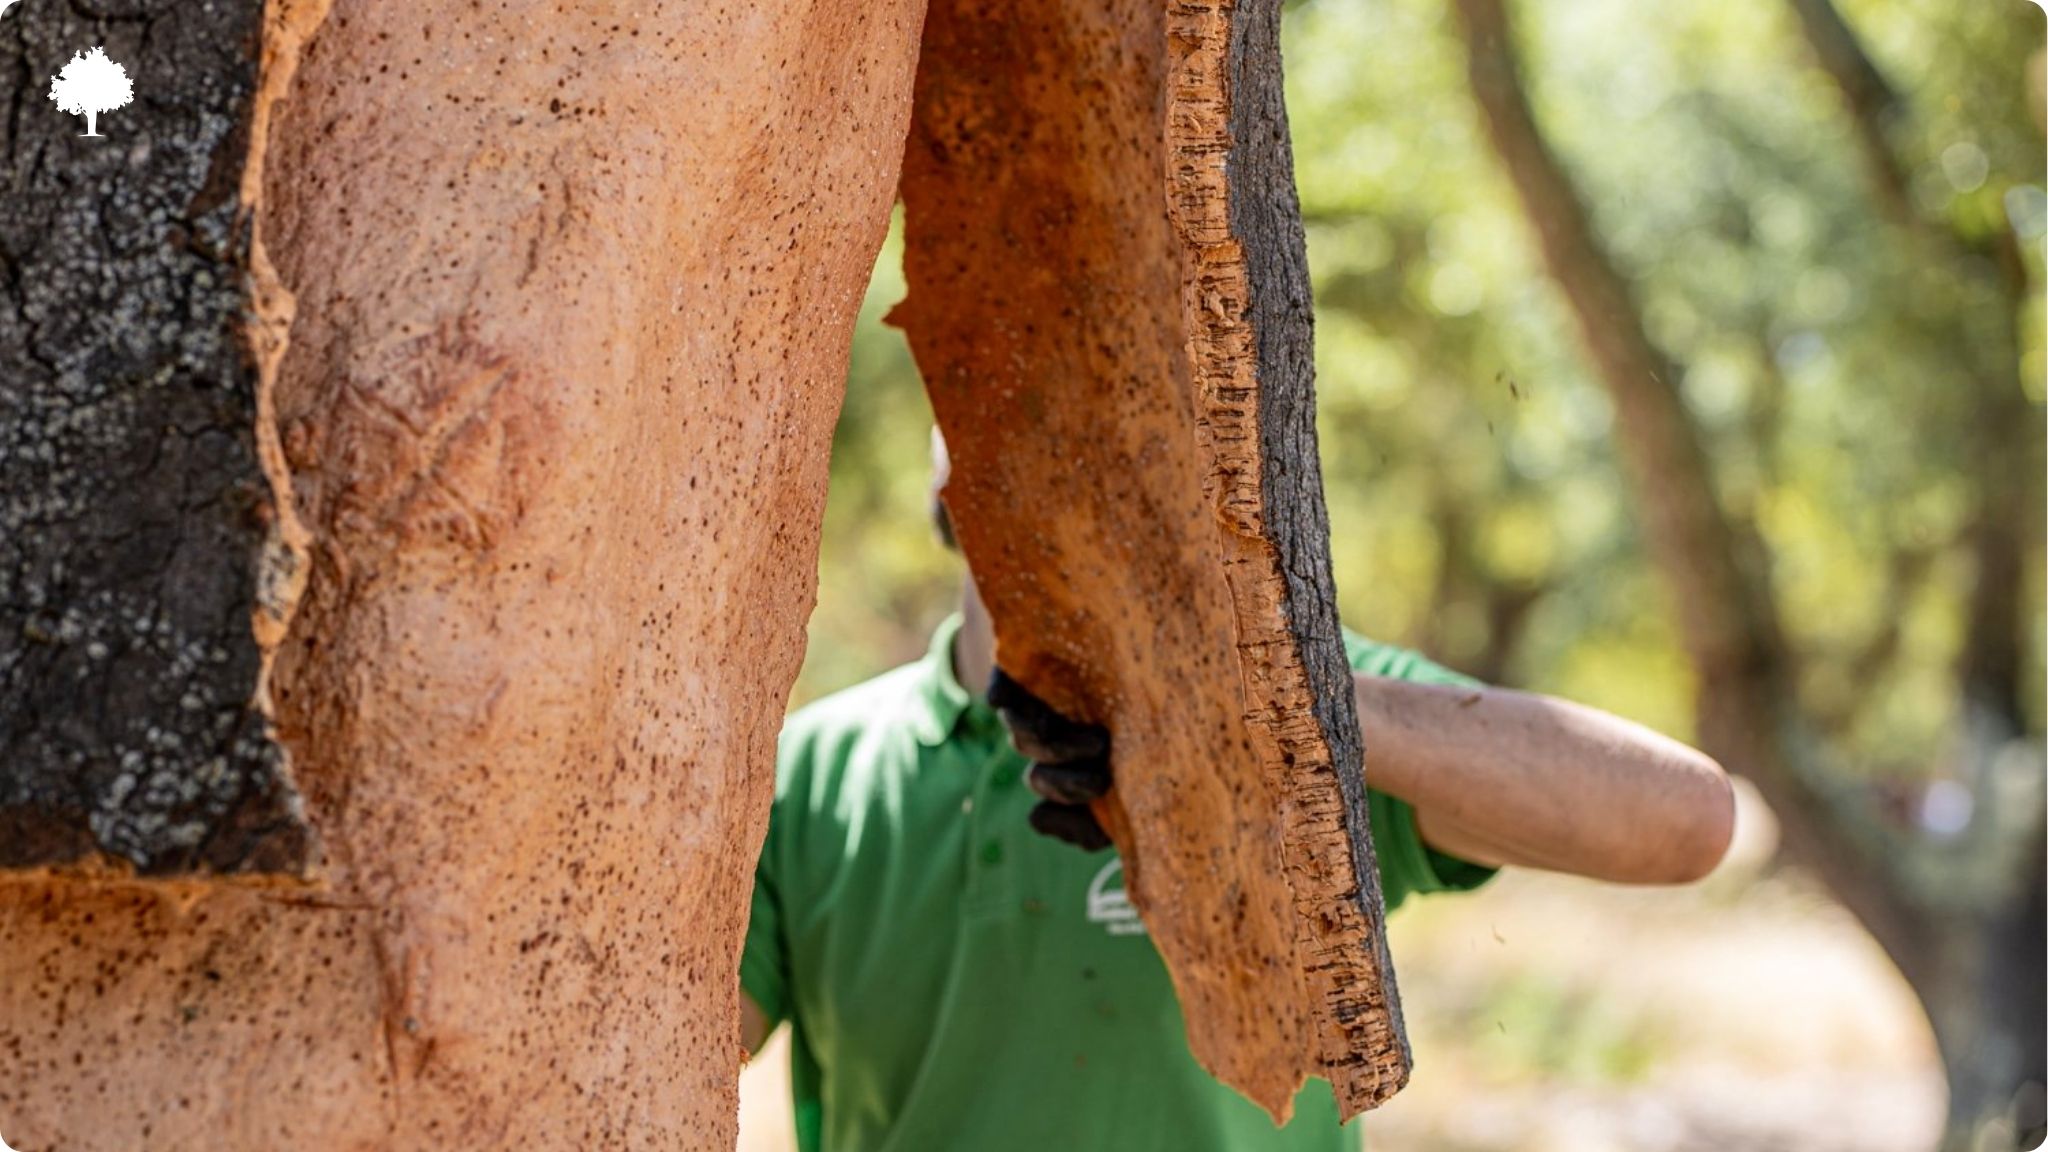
<point x="943" y="701"/>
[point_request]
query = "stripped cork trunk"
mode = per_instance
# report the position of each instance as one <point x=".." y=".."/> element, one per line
<point x="413" y="443"/>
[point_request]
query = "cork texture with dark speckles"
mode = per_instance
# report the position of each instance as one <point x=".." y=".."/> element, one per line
<point x="555" y="301"/>
<point x="1109" y="300"/>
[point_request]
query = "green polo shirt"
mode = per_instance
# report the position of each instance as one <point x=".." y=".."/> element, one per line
<point x="956" y="981"/>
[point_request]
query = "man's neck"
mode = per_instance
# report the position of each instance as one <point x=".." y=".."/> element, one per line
<point x="974" y="646"/>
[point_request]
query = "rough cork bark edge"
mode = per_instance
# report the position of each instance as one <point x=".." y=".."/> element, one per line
<point x="283" y="566"/>
<point x="285" y="560"/>
<point x="1246" y="293"/>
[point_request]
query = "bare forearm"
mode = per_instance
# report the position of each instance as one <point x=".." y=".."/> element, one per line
<point x="1503" y="777"/>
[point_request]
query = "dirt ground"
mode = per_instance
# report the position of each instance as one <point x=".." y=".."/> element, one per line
<point x="1745" y="1014"/>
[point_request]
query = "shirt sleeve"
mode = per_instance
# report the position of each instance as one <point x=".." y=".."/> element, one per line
<point x="764" y="964"/>
<point x="1408" y="867"/>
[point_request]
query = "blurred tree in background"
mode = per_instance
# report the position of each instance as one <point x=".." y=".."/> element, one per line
<point x="1954" y="896"/>
<point x="884" y="582"/>
<point x="1686" y="359"/>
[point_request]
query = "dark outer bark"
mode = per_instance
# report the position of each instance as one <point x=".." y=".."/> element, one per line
<point x="1265" y="219"/>
<point x="132" y="503"/>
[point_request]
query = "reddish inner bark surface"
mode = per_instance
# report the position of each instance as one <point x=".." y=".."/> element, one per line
<point x="1090" y="361"/>
<point x="1094" y="361"/>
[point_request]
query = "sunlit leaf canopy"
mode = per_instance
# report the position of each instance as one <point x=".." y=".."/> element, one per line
<point x="1476" y="505"/>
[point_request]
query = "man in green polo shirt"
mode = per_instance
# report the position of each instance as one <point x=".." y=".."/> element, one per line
<point x="956" y="981"/>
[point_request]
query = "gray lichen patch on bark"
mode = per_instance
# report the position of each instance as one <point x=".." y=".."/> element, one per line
<point x="132" y="506"/>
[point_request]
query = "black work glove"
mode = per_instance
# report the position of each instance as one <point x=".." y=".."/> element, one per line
<point x="1069" y="763"/>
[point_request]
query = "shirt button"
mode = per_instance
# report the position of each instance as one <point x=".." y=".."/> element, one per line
<point x="992" y="852"/>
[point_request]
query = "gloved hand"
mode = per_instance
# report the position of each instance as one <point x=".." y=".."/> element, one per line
<point x="1069" y="763"/>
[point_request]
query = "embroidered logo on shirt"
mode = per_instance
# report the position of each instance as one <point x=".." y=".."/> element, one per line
<point x="1110" y="906"/>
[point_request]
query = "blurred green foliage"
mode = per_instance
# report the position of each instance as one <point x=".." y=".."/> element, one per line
<point x="1476" y="507"/>
<point x="1543" y="1028"/>
<point x="883" y="581"/>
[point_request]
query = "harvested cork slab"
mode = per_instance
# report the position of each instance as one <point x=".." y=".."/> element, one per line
<point x="1109" y="301"/>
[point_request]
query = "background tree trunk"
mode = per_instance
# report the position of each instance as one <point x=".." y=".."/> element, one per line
<point x="1956" y="919"/>
<point x="2009" y="473"/>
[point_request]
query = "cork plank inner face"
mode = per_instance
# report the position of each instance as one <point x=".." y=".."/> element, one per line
<point x="1109" y="302"/>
